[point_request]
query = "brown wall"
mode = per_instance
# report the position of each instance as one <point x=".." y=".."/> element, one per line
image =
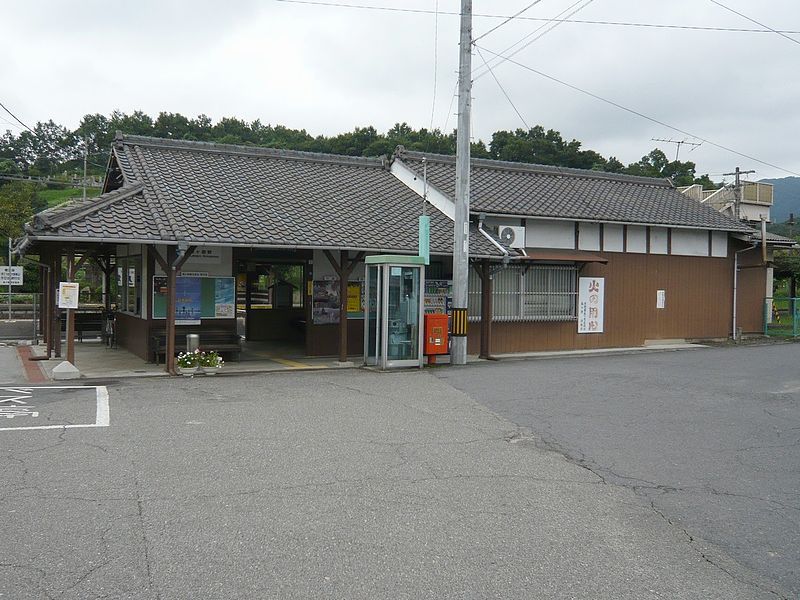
<point x="698" y="305"/>
<point x="323" y="340"/>
<point x="132" y="334"/>
<point x="752" y="287"/>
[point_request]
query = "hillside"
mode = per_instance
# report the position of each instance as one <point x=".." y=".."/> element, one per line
<point x="786" y="199"/>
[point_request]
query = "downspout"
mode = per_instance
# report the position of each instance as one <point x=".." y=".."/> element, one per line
<point x="735" y="283"/>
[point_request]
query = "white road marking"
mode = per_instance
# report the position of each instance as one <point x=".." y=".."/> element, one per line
<point x="102" y="415"/>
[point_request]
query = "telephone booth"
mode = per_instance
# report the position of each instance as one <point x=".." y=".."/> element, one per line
<point x="394" y="311"/>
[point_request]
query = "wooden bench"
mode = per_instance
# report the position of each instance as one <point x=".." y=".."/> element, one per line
<point x="226" y="342"/>
<point x="85" y="322"/>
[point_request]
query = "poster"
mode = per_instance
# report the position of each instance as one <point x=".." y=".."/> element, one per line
<point x="68" y="294"/>
<point x="188" y="298"/>
<point x="196" y="298"/>
<point x="355" y="300"/>
<point x="224" y="298"/>
<point x="325" y="302"/>
<point x="591" y="292"/>
<point x="661" y="298"/>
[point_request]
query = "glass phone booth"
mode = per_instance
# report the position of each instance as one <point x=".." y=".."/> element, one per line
<point x="394" y="312"/>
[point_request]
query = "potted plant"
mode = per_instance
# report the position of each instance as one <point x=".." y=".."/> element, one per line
<point x="209" y="362"/>
<point x="188" y="363"/>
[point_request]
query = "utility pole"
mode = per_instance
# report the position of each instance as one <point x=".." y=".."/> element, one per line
<point x="737" y="190"/>
<point x="85" y="160"/>
<point x="458" y="349"/>
<point x="678" y="143"/>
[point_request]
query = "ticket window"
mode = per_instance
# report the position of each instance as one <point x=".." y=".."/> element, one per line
<point x="393" y="332"/>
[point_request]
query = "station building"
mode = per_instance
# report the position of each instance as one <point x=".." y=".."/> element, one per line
<point x="255" y="242"/>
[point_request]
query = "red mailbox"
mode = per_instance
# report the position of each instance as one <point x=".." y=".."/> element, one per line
<point x="435" y="336"/>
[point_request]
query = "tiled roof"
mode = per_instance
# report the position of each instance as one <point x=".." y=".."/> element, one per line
<point x="522" y="189"/>
<point x="220" y="194"/>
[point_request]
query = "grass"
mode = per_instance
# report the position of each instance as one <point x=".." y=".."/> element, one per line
<point x="54" y="197"/>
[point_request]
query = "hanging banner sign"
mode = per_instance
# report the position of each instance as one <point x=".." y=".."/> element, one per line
<point x="590" y="304"/>
<point x="68" y="294"/>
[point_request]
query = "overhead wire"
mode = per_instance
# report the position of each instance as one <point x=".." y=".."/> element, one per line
<point x="642" y="115"/>
<point x="435" y="59"/>
<point x="502" y="89"/>
<point x="547" y="27"/>
<point x="16" y="119"/>
<point x="524" y="18"/>
<point x="767" y="27"/>
<point x="508" y="20"/>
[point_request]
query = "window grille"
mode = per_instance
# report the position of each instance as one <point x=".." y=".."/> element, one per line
<point x="528" y="293"/>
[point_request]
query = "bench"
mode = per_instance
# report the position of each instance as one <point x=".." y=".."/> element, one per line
<point x="86" y="322"/>
<point x="226" y="342"/>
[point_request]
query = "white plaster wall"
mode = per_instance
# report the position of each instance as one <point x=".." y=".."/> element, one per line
<point x="690" y="242"/>
<point x="549" y="234"/>
<point x="588" y="236"/>
<point x="637" y="239"/>
<point x="659" y="240"/>
<point x="502" y="222"/>
<point x="612" y="237"/>
<point x="754" y="212"/>
<point x="719" y="244"/>
<point x="221" y="268"/>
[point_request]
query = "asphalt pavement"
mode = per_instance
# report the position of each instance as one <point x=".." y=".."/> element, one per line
<point x="335" y="484"/>
<point x="709" y="438"/>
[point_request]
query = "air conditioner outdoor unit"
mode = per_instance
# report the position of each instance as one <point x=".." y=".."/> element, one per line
<point x="512" y="236"/>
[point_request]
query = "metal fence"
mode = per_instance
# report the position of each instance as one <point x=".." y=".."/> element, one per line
<point x="782" y="317"/>
<point x="529" y="293"/>
<point x="19" y="315"/>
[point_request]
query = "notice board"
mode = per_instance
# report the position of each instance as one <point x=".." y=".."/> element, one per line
<point x="196" y="298"/>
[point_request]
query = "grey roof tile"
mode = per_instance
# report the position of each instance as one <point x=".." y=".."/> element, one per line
<point x="523" y="189"/>
<point x="211" y="193"/>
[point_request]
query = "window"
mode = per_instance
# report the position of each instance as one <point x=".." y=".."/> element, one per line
<point x="528" y="293"/>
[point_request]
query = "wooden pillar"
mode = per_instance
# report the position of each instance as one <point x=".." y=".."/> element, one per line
<point x="343" y="277"/>
<point x="173" y="264"/>
<point x="486" y="309"/>
<point x="71" y="312"/>
<point x="55" y="269"/>
<point x="170" y="316"/>
<point x="46" y="304"/>
<point x="343" y="269"/>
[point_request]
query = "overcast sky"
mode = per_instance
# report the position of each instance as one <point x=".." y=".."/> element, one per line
<point x="328" y="69"/>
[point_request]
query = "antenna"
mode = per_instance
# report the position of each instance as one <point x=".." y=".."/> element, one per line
<point x="678" y="143"/>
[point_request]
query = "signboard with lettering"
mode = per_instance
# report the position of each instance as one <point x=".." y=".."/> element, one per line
<point x="10" y="275"/>
<point x="68" y="294"/>
<point x="590" y="304"/>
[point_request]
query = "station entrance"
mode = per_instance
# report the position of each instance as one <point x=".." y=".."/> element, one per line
<point x="271" y="305"/>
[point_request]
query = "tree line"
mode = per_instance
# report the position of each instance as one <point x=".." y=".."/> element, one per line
<point x="52" y="150"/>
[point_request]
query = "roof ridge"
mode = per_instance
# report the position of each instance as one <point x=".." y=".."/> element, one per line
<point x="535" y="168"/>
<point x="253" y="151"/>
<point x="48" y="220"/>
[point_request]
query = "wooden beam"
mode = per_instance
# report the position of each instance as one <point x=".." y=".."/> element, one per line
<point x="56" y="314"/>
<point x="159" y="259"/>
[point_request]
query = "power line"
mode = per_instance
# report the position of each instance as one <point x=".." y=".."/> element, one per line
<point x="548" y="27"/>
<point x="435" y="58"/>
<point x="509" y="19"/>
<point x="780" y="33"/>
<point x="16" y="119"/>
<point x="642" y="115"/>
<point x="523" y="18"/>
<point x="502" y="89"/>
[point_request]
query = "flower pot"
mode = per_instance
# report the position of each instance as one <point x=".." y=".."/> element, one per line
<point x="188" y="371"/>
<point x="208" y="370"/>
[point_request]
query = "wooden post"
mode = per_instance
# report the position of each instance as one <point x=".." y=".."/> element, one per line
<point x="70" y="312"/>
<point x="56" y="270"/>
<point x="170" y="316"/>
<point x="343" y="269"/>
<point x="46" y="305"/>
<point x="486" y="309"/>
<point x="174" y="263"/>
